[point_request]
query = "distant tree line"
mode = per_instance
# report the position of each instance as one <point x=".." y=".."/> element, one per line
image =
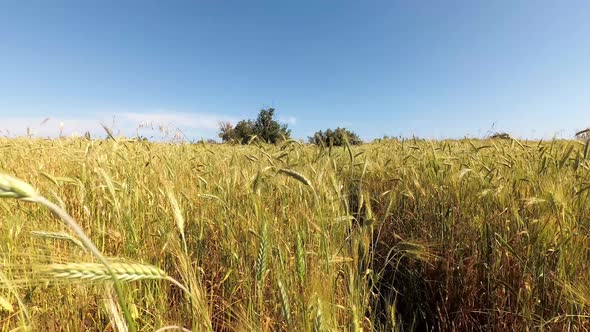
<point x="267" y="129"/>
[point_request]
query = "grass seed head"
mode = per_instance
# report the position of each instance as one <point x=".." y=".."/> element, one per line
<point x="98" y="272"/>
<point x="11" y="187"/>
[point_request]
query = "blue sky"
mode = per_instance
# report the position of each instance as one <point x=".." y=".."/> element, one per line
<point x="433" y="69"/>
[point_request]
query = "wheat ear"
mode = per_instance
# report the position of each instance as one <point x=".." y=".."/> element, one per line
<point x="11" y="187"/>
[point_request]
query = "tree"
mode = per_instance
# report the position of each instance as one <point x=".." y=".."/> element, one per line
<point x="243" y="131"/>
<point x="265" y="128"/>
<point x="225" y="131"/>
<point x="268" y="129"/>
<point x="335" y="137"/>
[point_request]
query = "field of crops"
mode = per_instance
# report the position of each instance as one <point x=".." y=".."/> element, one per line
<point x="395" y="235"/>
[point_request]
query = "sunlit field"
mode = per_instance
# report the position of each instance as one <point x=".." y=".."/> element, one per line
<point x="395" y="235"/>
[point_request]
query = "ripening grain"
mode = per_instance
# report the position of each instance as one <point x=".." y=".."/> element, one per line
<point x="406" y="235"/>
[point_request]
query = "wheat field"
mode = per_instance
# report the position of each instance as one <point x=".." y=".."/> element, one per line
<point x="396" y="235"/>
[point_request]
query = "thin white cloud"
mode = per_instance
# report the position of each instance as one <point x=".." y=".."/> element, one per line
<point x="205" y="121"/>
<point x="44" y="127"/>
<point x="157" y="124"/>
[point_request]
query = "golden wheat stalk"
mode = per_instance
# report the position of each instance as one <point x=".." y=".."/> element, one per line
<point x="58" y="236"/>
<point x="11" y="187"/>
<point x="98" y="272"/>
<point x="295" y="175"/>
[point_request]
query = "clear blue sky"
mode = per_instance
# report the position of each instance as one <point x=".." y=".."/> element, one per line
<point x="430" y="68"/>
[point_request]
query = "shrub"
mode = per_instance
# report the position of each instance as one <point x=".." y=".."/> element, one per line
<point x="335" y="137"/>
<point x="500" y="136"/>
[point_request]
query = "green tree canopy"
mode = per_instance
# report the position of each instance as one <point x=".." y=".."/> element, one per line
<point x="335" y="137"/>
<point x="264" y="127"/>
